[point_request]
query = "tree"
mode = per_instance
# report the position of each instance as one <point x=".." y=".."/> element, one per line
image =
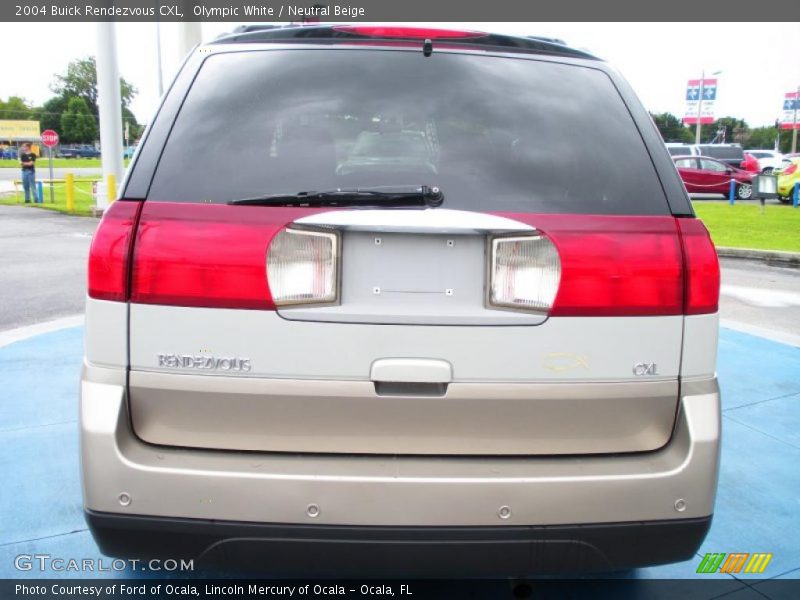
<point x="81" y="80"/>
<point x="78" y="124"/>
<point x="672" y="128"/>
<point x="735" y="130"/>
<point x="762" y="137"/>
<point x="49" y="114"/>
<point x="134" y="129"/>
<point x="15" y="108"/>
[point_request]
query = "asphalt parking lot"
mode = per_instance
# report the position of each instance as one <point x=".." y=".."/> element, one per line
<point x="40" y="500"/>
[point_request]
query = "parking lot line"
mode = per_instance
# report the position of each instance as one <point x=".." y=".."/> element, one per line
<point x="756" y="509"/>
<point x="22" y="333"/>
<point x="770" y="334"/>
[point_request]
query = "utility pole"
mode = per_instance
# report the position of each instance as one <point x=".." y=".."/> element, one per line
<point x="698" y="126"/>
<point x="794" y="120"/>
<point x="700" y="104"/>
<point x="160" y="70"/>
<point x="110" y="107"/>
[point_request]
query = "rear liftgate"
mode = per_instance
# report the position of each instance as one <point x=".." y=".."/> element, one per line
<point x="404" y="331"/>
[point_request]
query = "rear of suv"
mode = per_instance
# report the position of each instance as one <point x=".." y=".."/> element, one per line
<point x="418" y="301"/>
<point x="730" y="154"/>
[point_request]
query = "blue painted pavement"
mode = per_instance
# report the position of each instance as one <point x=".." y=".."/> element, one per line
<point x="757" y="510"/>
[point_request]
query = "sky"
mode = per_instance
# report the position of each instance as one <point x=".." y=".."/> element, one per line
<point x="759" y="62"/>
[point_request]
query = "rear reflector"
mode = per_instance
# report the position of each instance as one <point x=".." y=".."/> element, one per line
<point x="421" y="33"/>
<point x="110" y="250"/>
<point x="702" y="268"/>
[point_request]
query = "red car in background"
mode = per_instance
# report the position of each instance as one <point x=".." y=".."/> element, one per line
<point x="750" y="163"/>
<point x="703" y="175"/>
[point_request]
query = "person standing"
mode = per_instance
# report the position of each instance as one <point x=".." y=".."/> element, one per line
<point x="27" y="161"/>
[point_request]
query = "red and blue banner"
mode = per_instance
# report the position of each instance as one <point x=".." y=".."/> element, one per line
<point x="791" y="102"/>
<point x="701" y="95"/>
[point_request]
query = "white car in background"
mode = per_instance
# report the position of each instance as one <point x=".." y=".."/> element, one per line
<point x="676" y="149"/>
<point x="769" y="160"/>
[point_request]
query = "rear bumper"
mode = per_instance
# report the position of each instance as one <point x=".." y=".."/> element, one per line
<point x="786" y="189"/>
<point x="329" y="550"/>
<point x="675" y="484"/>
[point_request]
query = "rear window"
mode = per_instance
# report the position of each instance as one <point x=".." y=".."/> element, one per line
<point x="729" y="152"/>
<point x="495" y="134"/>
<point x="679" y="150"/>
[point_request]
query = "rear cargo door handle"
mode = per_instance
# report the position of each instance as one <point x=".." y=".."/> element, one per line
<point x="411" y="370"/>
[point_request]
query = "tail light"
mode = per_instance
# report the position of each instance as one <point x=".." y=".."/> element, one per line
<point x="206" y="255"/>
<point x="701" y="292"/>
<point x="302" y="267"/>
<point x="245" y="257"/>
<point x="110" y="252"/>
<point x="790" y="169"/>
<point x="524" y="273"/>
<point x="630" y="265"/>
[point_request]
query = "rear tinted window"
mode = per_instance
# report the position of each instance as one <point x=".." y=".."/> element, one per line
<point x="495" y="134"/>
<point x="679" y="150"/>
<point x="723" y="152"/>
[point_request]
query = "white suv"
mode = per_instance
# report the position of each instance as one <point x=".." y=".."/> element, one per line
<point x="477" y="342"/>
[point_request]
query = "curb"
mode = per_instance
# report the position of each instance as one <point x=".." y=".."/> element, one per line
<point x="771" y="257"/>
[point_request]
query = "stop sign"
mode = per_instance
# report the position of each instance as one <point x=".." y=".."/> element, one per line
<point x="49" y="138"/>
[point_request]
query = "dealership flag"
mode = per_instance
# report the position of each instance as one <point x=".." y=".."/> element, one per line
<point x="790" y="99"/>
<point x="693" y="91"/>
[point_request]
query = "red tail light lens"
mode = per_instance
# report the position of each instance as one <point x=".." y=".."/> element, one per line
<point x="421" y="33"/>
<point x="702" y="268"/>
<point x="216" y="256"/>
<point x="206" y="255"/>
<point x="790" y="169"/>
<point x="110" y="252"/>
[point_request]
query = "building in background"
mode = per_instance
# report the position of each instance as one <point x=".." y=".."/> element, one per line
<point x="15" y="132"/>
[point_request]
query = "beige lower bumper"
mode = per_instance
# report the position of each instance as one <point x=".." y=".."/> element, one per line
<point x="351" y="417"/>
<point x="124" y="475"/>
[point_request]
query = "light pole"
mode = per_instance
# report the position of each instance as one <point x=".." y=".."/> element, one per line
<point x="699" y="126"/>
<point x="794" y="120"/>
<point x="159" y="70"/>
<point x="158" y="59"/>
<point x="110" y="108"/>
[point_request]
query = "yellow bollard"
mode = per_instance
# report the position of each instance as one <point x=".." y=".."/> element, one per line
<point x="111" y="183"/>
<point x="69" y="184"/>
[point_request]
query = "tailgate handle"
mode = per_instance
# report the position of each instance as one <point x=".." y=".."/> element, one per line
<point x="394" y="388"/>
<point x="411" y="370"/>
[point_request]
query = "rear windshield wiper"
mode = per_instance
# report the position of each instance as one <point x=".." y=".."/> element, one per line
<point x="417" y="196"/>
